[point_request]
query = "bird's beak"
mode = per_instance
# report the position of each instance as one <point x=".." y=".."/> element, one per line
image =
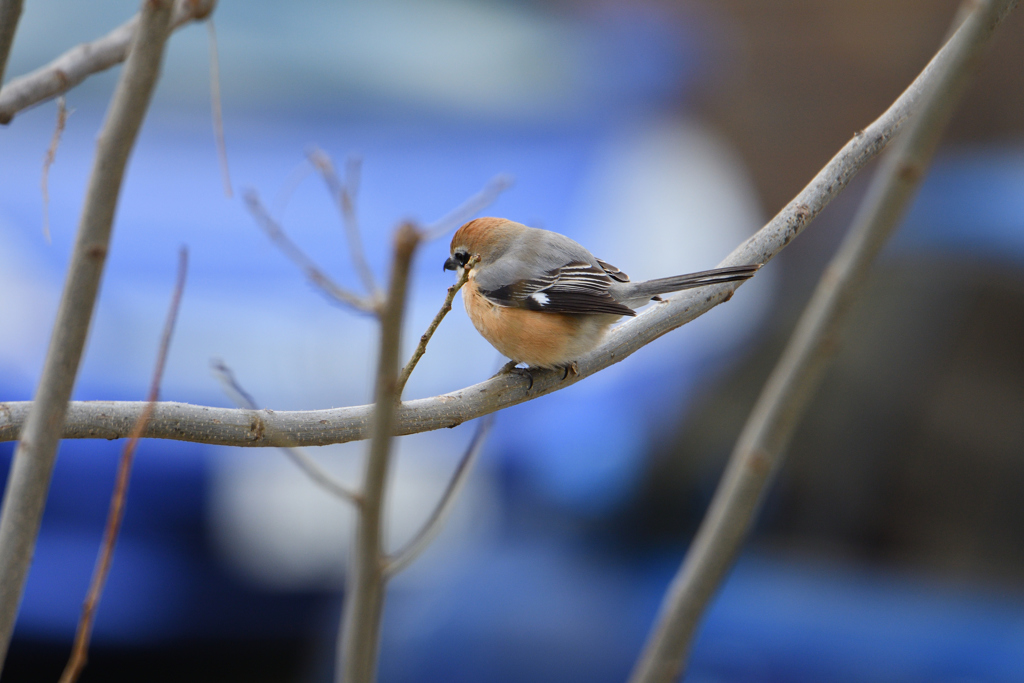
<point x="451" y="264"/>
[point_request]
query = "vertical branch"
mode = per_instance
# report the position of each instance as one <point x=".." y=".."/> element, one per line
<point x="364" y="593"/>
<point x="80" y="651"/>
<point x="759" y="449"/>
<point x="29" y="479"/>
<point x="10" y="13"/>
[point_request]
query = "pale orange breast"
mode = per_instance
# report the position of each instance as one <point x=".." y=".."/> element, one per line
<point x="544" y="340"/>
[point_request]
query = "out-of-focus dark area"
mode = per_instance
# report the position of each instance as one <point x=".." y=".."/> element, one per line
<point x="658" y="134"/>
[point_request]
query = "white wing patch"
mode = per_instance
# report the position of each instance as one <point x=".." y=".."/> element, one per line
<point x="540" y="297"/>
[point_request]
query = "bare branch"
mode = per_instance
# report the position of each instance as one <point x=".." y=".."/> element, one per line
<point x="29" y="479"/>
<point x="760" y="447"/>
<point x="305" y="462"/>
<point x="51" y="155"/>
<point x="10" y="13"/>
<point x="421" y="348"/>
<point x="345" y="196"/>
<point x="358" y="640"/>
<point x="82" y="61"/>
<point x="80" y="651"/>
<point x="469" y="208"/>
<point x="202" y="424"/>
<point x="218" y="115"/>
<point x="406" y="555"/>
<point x="317" y="277"/>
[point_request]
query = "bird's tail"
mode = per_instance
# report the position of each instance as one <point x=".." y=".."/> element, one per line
<point x="652" y="288"/>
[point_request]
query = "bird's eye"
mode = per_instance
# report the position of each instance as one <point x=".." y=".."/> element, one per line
<point x="462" y="257"/>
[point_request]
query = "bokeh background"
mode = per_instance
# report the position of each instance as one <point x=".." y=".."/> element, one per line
<point x="660" y="135"/>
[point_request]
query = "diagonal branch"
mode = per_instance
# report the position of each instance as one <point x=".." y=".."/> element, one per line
<point x="29" y="479"/>
<point x="345" y="197"/>
<point x="113" y="419"/>
<point x="760" y="447"/>
<point x="407" y="554"/>
<point x="80" y="651"/>
<point x="82" y="61"/>
<point x="10" y="13"/>
<point x="305" y="462"/>
<point x="421" y="348"/>
<point x="316" y="276"/>
<point x="359" y="637"/>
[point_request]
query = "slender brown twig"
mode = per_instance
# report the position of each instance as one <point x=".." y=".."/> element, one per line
<point x="408" y="553"/>
<point x="215" y="107"/>
<point x="51" y="156"/>
<point x="421" y="348"/>
<point x="314" y="274"/>
<point x="32" y="466"/>
<point x="80" y="651"/>
<point x="761" y="445"/>
<point x="359" y="637"/>
<point x="305" y="462"/>
<point x="344" y="195"/>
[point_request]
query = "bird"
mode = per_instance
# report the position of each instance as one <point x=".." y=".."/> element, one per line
<point x="543" y="300"/>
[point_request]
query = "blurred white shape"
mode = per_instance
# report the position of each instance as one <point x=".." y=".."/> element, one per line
<point x="28" y="300"/>
<point x="273" y="526"/>
<point x="668" y="197"/>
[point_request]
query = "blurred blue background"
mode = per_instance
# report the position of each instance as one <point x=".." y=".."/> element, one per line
<point x="658" y="134"/>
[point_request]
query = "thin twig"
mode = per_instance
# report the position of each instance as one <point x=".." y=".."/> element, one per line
<point x="760" y="447"/>
<point x="358" y="639"/>
<point x="51" y="156"/>
<point x="421" y="348"/>
<point x="408" y="553"/>
<point x="232" y="427"/>
<point x="80" y="651"/>
<point x="82" y="61"/>
<point x="215" y="107"/>
<point x="345" y="197"/>
<point x="29" y="479"/>
<point x="10" y="13"/>
<point x="305" y="462"/>
<point x="469" y="208"/>
<point x="291" y="183"/>
<point x="316" y="276"/>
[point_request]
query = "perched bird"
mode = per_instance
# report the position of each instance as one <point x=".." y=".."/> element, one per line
<point x="542" y="299"/>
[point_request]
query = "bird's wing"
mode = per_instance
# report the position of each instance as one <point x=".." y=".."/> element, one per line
<point x="575" y="287"/>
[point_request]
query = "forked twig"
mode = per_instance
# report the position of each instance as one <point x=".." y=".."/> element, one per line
<point x="760" y="447"/>
<point x="344" y="195"/>
<point x="408" y="553"/>
<point x="421" y="348"/>
<point x="316" y="276"/>
<point x="305" y="462"/>
<point x="80" y="651"/>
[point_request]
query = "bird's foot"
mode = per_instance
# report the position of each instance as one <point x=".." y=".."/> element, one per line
<point x="571" y="367"/>
<point x="512" y="368"/>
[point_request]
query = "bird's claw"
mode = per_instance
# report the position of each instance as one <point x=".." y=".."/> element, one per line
<point x="513" y="369"/>
<point x="570" y="367"/>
